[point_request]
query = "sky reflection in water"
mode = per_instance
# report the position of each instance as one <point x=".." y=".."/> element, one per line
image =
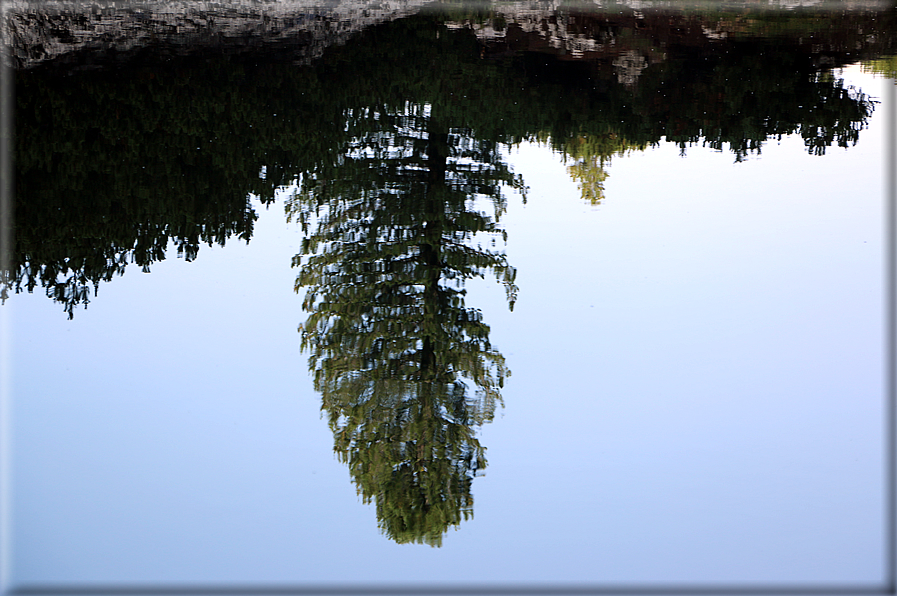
<point x="695" y="354"/>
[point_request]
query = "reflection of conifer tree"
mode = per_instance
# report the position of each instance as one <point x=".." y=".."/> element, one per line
<point x="590" y="153"/>
<point x="406" y="370"/>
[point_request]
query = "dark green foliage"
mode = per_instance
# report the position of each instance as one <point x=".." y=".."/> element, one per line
<point x="114" y="164"/>
<point x="394" y="350"/>
<point x="761" y="94"/>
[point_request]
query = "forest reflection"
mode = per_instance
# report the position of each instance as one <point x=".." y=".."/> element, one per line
<point x="116" y="162"/>
<point x="394" y="143"/>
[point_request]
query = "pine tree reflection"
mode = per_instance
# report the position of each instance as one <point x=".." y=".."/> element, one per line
<point x="405" y="368"/>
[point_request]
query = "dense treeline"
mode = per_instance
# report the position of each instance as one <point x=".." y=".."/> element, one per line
<point x="113" y="164"/>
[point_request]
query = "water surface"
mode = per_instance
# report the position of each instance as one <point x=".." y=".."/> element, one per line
<point x="478" y="295"/>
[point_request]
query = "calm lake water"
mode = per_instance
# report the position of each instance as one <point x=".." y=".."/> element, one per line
<point x="448" y="296"/>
